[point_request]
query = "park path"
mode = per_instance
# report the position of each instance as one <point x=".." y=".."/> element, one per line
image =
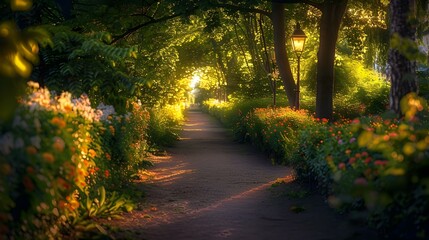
<point x="210" y="187"/>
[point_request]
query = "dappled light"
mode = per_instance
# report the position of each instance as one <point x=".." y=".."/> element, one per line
<point x="243" y="195"/>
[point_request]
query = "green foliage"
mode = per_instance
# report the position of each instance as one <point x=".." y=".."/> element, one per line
<point x="358" y="91"/>
<point x="276" y="130"/>
<point x="164" y="125"/>
<point x="408" y="48"/>
<point x="86" y="63"/>
<point x="423" y="81"/>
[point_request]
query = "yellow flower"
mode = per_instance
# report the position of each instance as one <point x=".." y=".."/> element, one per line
<point x="5" y="169"/>
<point x="112" y="129"/>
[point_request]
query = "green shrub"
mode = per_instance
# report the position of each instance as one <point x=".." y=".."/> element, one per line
<point x="358" y="91"/>
<point x="164" y="125"/>
<point x="276" y="130"/>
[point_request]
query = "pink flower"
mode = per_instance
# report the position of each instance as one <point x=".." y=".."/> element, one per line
<point x="352" y="140"/>
<point x="380" y="163"/>
<point x="342" y="166"/>
<point x="367" y="160"/>
<point x="361" y="181"/>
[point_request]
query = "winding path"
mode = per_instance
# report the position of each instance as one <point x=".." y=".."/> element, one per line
<point x="210" y="187"/>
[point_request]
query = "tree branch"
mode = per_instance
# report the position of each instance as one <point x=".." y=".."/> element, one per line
<point x="317" y="5"/>
<point x="243" y="9"/>
<point x="152" y="21"/>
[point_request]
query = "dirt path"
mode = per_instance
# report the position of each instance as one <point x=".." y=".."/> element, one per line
<point x="210" y="187"/>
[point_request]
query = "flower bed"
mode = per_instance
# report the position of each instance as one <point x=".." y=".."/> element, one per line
<point x="62" y="161"/>
<point x="376" y="166"/>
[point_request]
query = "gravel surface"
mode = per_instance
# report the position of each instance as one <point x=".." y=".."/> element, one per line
<point x="210" y="187"/>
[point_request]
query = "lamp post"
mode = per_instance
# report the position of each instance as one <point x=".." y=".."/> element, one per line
<point x="298" y="40"/>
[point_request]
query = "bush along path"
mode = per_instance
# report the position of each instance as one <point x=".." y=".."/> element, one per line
<point x="210" y="187"/>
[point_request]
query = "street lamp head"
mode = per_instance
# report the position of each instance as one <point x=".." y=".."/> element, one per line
<point x="298" y="40"/>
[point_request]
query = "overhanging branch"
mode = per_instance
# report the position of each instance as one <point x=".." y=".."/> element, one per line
<point x="242" y="9"/>
<point x="317" y="5"/>
<point x="152" y="21"/>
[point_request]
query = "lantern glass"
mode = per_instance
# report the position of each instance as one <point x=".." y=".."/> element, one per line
<point x="298" y="43"/>
<point x="298" y="40"/>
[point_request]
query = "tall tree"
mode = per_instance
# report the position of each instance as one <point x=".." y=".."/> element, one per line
<point x="332" y="14"/>
<point x="282" y="60"/>
<point x="402" y="70"/>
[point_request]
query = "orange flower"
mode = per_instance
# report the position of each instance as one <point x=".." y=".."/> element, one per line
<point x="6" y="169"/>
<point x="62" y="204"/>
<point x="108" y="157"/>
<point x="91" y="171"/>
<point x="48" y="157"/>
<point x="28" y="184"/>
<point x="112" y="130"/>
<point x="68" y="108"/>
<point x="74" y="204"/>
<point x="59" y="144"/>
<point x="30" y="170"/>
<point x="59" y="122"/>
<point x="92" y="153"/>
<point x="31" y="150"/>
<point x="63" y="184"/>
<point x="342" y="166"/>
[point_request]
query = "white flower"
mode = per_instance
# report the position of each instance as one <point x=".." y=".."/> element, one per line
<point x="33" y="84"/>
<point x="6" y="143"/>
<point x="19" y="143"/>
<point x="106" y="111"/>
<point x="19" y="122"/>
<point x="35" y="141"/>
<point x="37" y="125"/>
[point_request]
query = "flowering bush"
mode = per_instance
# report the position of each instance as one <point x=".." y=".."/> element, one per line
<point x="392" y="181"/>
<point x="45" y="155"/>
<point x="125" y="144"/>
<point x="375" y="165"/>
<point x="53" y="161"/>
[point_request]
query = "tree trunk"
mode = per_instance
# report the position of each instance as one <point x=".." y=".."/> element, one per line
<point x="332" y="14"/>
<point x="402" y="71"/>
<point x="278" y="17"/>
<point x="222" y="68"/>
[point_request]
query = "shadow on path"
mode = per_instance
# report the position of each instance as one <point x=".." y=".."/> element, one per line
<point x="210" y="187"/>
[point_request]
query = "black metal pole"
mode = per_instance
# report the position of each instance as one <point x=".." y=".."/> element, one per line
<point x="297" y="84"/>
<point x="274" y="92"/>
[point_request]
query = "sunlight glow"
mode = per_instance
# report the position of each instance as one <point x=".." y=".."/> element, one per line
<point x="195" y="80"/>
